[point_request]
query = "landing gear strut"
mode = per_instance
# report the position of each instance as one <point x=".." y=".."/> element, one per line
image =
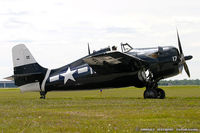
<point x="152" y="91"/>
<point x="43" y="94"/>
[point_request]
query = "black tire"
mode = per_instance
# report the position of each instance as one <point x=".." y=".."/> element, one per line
<point x="42" y="97"/>
<point x="43" y="94"/>
<point x="150" y="93"/>
<point x="161" y="93"/>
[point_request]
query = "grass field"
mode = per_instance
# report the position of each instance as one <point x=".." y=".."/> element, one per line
<point x="115" y="110"/>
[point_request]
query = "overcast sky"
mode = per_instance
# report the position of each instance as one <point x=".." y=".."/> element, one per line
<point x="57" y="31"/>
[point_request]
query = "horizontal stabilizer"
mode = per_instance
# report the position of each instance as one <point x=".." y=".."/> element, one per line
<point x="27" y="74"/>
<point x="10" y="78"/>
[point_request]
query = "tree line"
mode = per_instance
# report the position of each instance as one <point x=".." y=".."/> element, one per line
<point x="179" y="82"/>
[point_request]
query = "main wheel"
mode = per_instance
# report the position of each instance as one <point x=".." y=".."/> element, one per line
<point x="150" y="93"/>
<point x="161" y="93"/>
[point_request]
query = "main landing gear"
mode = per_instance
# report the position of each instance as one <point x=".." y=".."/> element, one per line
<point x="152" y="91"/>
<point x="43" y="94"/>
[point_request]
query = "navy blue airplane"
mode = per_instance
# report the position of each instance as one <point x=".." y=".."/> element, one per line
<point x="106" y="68"/>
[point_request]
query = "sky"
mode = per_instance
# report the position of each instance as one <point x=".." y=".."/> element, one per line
<point x="57" y="31"/>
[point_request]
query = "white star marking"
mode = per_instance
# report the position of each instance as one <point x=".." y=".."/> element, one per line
<point x="68" y="75"/>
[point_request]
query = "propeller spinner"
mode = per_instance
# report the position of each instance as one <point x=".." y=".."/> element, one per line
<point x="182" y="57"/>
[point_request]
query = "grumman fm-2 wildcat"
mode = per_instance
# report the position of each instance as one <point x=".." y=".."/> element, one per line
<point x="106" y="68"/>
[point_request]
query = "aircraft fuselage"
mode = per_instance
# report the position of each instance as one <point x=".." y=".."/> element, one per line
<point x="79" y="75"/>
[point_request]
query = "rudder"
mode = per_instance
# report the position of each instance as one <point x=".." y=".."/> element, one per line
<point x="28" y="74"/>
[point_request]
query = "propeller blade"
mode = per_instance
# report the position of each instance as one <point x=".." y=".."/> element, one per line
<point x="186" y="69"/>
<point x="180" y="68"/>
<point x="189" y="57"/>
<point x="179" y="44"/>
<point x="182" y="57"/>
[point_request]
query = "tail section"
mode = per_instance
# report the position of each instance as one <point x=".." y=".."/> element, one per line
<point x="28" y="74"/>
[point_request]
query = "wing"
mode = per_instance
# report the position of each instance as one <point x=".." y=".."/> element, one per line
<point x="114" y="62"/>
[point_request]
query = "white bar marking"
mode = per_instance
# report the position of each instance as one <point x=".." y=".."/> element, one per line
<point x="54" y="78"/>
<point x="82" y="70"/>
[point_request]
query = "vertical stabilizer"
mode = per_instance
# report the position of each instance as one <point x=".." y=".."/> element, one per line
<point x="22" y="56"/>
<point x="28" y="74"/>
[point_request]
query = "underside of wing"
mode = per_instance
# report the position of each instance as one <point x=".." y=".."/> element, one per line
<point x="113" y="62"/>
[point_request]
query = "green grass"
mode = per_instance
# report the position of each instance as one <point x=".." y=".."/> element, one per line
<point x="115" y="110"/>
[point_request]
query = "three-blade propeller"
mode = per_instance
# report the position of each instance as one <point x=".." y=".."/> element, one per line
<point x="182" y="57"/>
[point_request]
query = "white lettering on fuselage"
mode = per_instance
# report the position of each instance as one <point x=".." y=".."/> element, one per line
<point x="174" y="58"/>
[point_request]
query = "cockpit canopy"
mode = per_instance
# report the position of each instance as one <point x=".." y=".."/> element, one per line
<point x="104" y="50"/>
<point x="153" y="52"/>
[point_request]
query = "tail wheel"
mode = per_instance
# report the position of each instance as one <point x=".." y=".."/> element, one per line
<point x="161" y="93"/>
<point x="150" y="93"/>
<point x="43" y="94"/>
